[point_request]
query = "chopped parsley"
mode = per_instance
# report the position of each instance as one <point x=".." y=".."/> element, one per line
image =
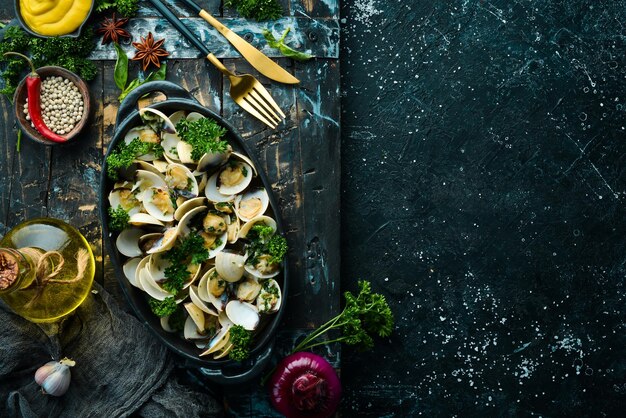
<point x="164" y="307"/>
<point x="189" y="251"/>
<point x="241" y="339"/>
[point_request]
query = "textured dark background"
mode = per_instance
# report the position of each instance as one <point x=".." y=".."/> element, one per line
<point x="483" y="191"/>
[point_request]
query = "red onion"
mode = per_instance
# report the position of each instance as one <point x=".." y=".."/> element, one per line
<point x="305" y="385"/>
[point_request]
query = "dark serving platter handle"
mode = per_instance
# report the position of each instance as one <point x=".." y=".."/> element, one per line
<point x="240" y="373"/>
<point x="169" y="89"/>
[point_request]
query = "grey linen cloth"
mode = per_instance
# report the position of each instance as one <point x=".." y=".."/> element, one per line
<point x="121" y="368"/>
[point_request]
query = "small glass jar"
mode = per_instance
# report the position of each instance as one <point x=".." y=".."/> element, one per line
<point x="46" y="269"/>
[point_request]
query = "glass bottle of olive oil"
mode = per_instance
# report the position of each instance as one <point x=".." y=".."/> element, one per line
<point x="46" y="269"/>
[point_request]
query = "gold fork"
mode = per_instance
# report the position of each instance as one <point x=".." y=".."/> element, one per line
<point x="245" y="90"/>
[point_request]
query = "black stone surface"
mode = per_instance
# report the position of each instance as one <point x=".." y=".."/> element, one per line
<point x="484" y="147"/>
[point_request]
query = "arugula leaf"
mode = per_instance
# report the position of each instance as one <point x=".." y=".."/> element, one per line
<point x="257" y="9"/>
<point x="284" y="49"/>
<point x="120" y="75"/>
<point x="204" y="135"/>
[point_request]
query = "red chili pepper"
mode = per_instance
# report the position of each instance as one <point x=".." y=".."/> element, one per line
<point x="33" y="87"/>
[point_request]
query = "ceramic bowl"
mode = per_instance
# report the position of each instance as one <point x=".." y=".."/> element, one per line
<point x="24" y="26"/>
<point x="20" y="99"/>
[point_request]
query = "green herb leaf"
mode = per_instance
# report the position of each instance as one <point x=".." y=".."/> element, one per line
<point x="120" y="75"/>
<point x="177" y="319"/>
<point x="204" y="135"/>
<point x="241" y="339"/>
<point x="118" y="219"/>
<point x="158" y="75"/>
<point x="127" y="8"/>
<point x="124" y="155"/>
<point x="189" y="251"/>
<point x="284" y="49"/>
<point x="164" y="307"/>
<point x="257" y="9"/>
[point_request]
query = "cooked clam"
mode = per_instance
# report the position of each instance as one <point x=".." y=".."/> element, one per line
<point x="262" y="220"/>
<point x="156" y="120"/>
<point x="124" y="197"/>
<point x="269" y="298"/>
<point x="251" y="204"/>
<point x="180" y="179"/>
<point x="248" y="290"/>
<point x="127" y="242"/>
<point x="158" y="203"/>
<point x="234" y="177"/>
<point x="230" y="266"/>
<point x="243" y="313"/>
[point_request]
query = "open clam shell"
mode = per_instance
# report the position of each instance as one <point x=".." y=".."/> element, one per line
<point x="216" y="290"/>
<point x="187" y="206"/>
<point x="130" y="270"/>
<point x="251" y="204"/>
<point x="145" y="180"/>
<point x="270" y="297"/>
<point x="213" y="160"/>
<point x="230" y="266"/>
<point x="127" y="242"/>
<point x="243" y="313"/>
<point x="158" y="203"/>
<point x="234" y="177"/>
<point x="196" y="300"/>
<point x="151" y="167"/>
<point x="180" y="179"/>
<point x="212" y="192"/>
<point x="218" y="341"/>
<point x="196" y="315"/>
<point x="145" y="134"/>
<point x="156" y="120"/>
<point x="247" y="290"/>
<point x="233" y="229"/>
<point x="241" y="157"/>
<point x="162" y="242"/>
<point x="140" y="219"/>
<point x="191" y="331"/>
<point x="124" y="197"/>
<point x="264" y="220"/>
<point x="263" y="268"/>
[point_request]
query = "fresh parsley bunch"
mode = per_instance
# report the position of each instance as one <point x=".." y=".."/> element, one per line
<point x="190" y="251"/>
<point x="118" y="219"/>
<point x="365" y="316"/>
<point x="263" y="241"/>
<point x="124" y="155"/>
<point x="241" y="339"/>
<point x="204" y="135"/>
<point x="257" y="9"/>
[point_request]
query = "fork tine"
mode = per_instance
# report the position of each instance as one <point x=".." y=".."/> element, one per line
<point x="268" y="98"/>
<point x="248" y="107"/>
<point x="263" y="107"/>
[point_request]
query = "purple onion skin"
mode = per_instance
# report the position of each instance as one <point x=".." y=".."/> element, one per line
<point x="305" y="385"/>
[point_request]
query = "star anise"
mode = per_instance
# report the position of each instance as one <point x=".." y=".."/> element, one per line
<point x="111" y="28"/>
<point x="149" y="51"/>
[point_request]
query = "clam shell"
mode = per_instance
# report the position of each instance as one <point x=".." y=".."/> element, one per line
<point x="140" y="219"/>
<point x="142" y="265"/>
<point x="224" y="320"/>
<point x="184" y="150"/>
<point x="150" y="197"/>
<point x="218" y="341"/>
<point x="187" y="206"/>
<point x="238" y="187"/>
<point x="156" y="120"/>
<point x="233" y="230"/>
<point x="224" y="352"/>
<point x="213" y="160"/>
<point x="245" y="160"/>
<point x="165" y="324"/>
<point x="252" y="270"/>
<point x="146" y="180"/>
<point x="127" y="242"/>
<point x="230" y="266"/>
<point x="129" y="203"/>
<point x="251" y="204"/>
<point x="150" y="286"/>
<point x="219" y="302"/>
<point x="165" y="242"/>
<point x="259" y="219"/>
<point x="265" y="295"/>
<point x="243" y="313"/>
<point x="248" y="290"/>
<point x="212" y="193"/>
<point x="145" y="134"/>
<point x="195" y="299"/>
<point x="160" y="165"/>
<point x="190" y="331"/>
<point x="190" y="189"/>
<point x="197" y="315"/>
<point x="146" y="166"/>
<point x="130" y="270"/>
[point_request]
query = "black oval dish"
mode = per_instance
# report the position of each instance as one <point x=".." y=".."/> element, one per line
<point x="24" y="26"/>
<point x="220" y="371"/>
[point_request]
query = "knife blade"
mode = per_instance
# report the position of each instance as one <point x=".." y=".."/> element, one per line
<point x="256" y="58"/>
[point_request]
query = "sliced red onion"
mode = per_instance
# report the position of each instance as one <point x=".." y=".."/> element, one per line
<point x="305" y="385"/>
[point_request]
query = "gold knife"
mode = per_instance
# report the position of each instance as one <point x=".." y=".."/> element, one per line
<point x="256" y="58"/>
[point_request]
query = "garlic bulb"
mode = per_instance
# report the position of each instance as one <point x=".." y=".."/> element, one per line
<point x="54" y="376"/>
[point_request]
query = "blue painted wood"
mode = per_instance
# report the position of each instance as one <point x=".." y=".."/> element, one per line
<point x="318" y="37"/>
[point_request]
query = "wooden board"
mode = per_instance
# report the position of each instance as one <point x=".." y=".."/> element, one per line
<point x="301" y="158"/>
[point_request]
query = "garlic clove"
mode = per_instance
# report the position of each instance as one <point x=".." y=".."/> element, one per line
<point x="54" y="377"/>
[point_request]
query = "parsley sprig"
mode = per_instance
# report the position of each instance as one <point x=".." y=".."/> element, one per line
<point x="263" y="241"/>
<point x="204" y="135"/>
<point x="164" y="307"/>
<point x="365" y="316"/>
<point x="124" y="155"/>
<point x="257" y="9"/>
<point x="118" y="219"/>
<point x="241" y="339"/>
<point x="189" y="251"/>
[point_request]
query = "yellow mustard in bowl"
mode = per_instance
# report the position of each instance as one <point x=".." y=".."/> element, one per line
<point x="54" y="17"/>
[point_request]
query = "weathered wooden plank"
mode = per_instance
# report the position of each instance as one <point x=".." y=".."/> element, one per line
<point x="318" y="113"/>
<point x="179" y="8"/>
<point x="318" y="37"/>
<point x="7" y="147"/>
<point x="315" y="8"/>
<point x="75" y="170"/>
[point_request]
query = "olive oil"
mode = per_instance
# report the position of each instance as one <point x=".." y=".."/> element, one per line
<point x="46" y="269"/>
